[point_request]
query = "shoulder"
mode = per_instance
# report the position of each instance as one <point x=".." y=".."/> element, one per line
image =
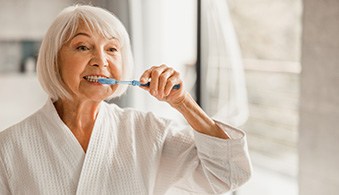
<point x="20" y="131"/>
<point x="29" y="124"/>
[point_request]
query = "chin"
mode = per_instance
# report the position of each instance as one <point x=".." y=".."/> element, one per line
<point x="97" y="95"/>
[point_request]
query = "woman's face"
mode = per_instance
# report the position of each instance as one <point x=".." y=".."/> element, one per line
<point x="84" y="58"/>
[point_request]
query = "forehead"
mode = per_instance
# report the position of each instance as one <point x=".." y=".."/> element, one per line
<point x="89" y="27"/>
<point x="85" y="33"/>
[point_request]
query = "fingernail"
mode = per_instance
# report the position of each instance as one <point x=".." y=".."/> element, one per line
<point x="154" y="92"/>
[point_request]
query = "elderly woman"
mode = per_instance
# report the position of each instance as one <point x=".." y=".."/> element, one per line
<point x="79" y="144"/>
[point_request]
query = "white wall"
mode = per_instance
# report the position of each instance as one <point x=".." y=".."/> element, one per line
<point x="319" y="100"/>
<point x="28" y="19"/>
<point x="21" y="95"/>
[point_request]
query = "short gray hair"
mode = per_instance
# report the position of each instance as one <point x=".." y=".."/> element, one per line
<point x="63" y="29"/>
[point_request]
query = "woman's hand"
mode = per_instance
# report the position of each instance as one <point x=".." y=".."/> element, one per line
<point x="162" y="79"/>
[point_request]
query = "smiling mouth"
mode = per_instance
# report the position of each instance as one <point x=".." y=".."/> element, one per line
<point x="94" y="79"/>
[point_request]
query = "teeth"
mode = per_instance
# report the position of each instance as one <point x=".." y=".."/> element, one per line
<point x="93" y="78"/>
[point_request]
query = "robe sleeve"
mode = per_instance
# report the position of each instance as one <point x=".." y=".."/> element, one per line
<point x="202" y="164"/>
<point x="3" y="180"/>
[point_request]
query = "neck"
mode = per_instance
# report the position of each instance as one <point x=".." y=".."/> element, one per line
<point x="79" y="116"/>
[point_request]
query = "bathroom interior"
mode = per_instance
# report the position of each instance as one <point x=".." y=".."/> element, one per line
<point x="267" y="67"/>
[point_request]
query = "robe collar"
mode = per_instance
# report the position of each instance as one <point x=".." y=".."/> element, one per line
<point x="91" y="163"/>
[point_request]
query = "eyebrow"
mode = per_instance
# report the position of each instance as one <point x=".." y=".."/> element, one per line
<point x="81" y="33"/>
<point x="87" y="35"/>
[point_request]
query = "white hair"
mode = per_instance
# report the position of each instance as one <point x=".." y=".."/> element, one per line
<point x="63" y="29"/>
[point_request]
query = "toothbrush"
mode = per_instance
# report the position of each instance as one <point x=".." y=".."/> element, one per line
<point x="133" y="83"/>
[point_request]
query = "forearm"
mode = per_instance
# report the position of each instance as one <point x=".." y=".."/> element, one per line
<point x="162" y="79"/>
<point x="197" y="118"/>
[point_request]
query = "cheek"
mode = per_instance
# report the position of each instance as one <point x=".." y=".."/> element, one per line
<point x="118" y="73"/>
<point x="116" y="70"/>
<point x="69" y="68"/>
<point x="71" y="76"/>
<point x="70" y="73"/>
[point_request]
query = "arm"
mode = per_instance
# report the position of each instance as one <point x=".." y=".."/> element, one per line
<point x="197" y="161"/>
<point x="163" y="79"/>
<point x="3" y="179"/>
<point x="198" y="119"/>
<point x="202" y="164"/>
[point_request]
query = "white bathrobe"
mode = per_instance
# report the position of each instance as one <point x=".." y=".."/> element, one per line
<point x="129" y="152"/>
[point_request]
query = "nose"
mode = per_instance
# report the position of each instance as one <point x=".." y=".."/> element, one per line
<point x="99" y="59"/>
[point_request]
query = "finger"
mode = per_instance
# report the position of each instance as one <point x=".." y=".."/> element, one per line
<point x="145" y="77"/>
<point x="156" y="72"/>
<point x="163" y="81"/>
<point x="173" y="80"/>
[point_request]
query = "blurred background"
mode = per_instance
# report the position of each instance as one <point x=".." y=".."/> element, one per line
<point x="267" y="67"/>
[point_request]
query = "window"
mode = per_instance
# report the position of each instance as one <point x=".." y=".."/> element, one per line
<point x="269" y="34"/>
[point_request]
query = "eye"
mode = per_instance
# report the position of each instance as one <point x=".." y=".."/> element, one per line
<point x="113" y="49"/>
<point x="82" y="48"/>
